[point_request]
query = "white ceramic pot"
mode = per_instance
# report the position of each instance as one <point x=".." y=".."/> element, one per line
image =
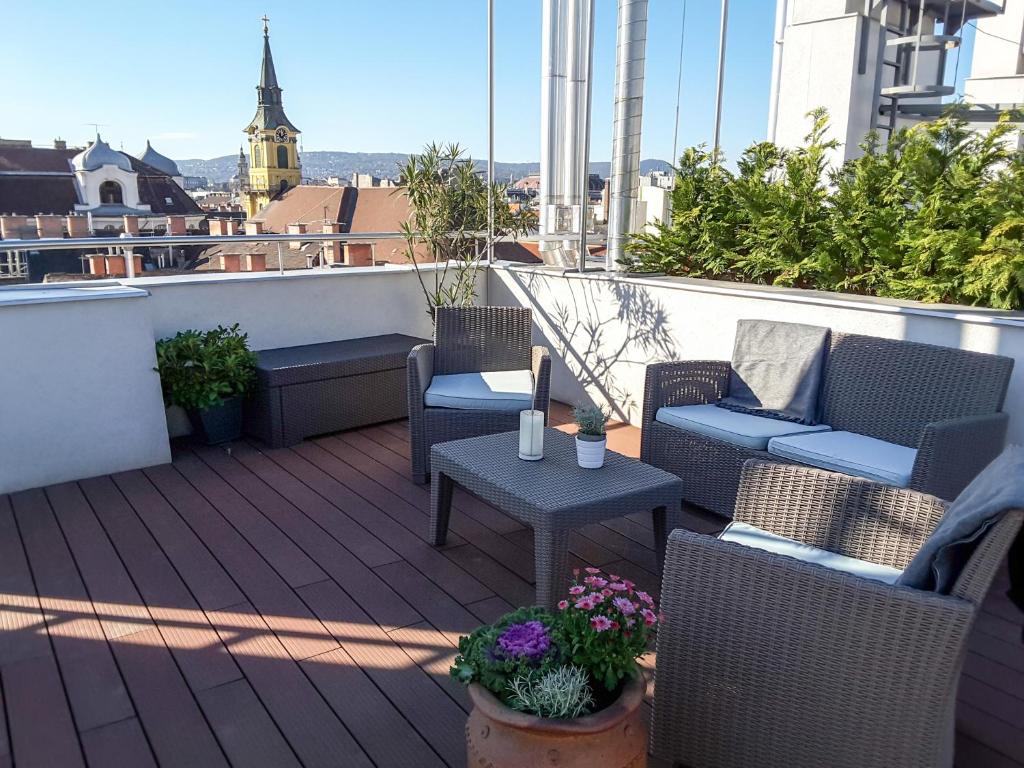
<point x="590" y="451"/>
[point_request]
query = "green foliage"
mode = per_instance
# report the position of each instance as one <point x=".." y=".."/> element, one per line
<point x="590" y="420"/>
<point x="480" y="661"/>
<point x="449" y="213"/>
<point x="563" y="692"/>
<point x="935" y="215"/>
<point x="199" y="369"/>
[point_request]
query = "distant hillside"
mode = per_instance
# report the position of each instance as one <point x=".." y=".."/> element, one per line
<point x="320" y="165"/>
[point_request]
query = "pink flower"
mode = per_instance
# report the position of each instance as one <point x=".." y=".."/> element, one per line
<point x="575" y="572"/>
<point x="596" y="598"/>
<point x="563" y="604"/>
<point x="618" y="586"/>
<point x="645" y="597"/>
<point x="596" y="582"/>
<point x="606" y="592"/>
<point x="625" y="605"/>
<point x="588" y="569"/>
<point x="649" y="618"/>
<point x="613" y="577"/>
<point x="585" y="603"/>
<point x="601" y="623"/>
<point x="578" y="589"/>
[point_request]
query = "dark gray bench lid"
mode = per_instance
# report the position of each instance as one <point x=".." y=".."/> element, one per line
<point x="333" y="359"/>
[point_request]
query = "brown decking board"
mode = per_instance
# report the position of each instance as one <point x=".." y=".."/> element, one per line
<point x="284" y="607"/>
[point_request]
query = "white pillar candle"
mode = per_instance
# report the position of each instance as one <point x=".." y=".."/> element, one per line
<point x="531" y="435"/>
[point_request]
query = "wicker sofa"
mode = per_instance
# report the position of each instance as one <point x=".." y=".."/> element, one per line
<point x="766" y="660"/>
<point x="943" y="403"/>
<point x="472" y="340"/>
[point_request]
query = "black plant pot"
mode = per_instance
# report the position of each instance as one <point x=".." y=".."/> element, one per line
<point x="220" y="423"/>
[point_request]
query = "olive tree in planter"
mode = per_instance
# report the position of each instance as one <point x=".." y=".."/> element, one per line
<point x="591" y="439"/>
<point x="448" y="222"/>
<point x="561" y="688"/>
<point x="207" y="373"/>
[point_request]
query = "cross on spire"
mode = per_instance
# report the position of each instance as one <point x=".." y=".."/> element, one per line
<point x="266" y="28"/>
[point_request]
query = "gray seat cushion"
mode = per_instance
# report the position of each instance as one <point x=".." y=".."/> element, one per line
<point x="851" y="454"/>
<point x="487" y="391"/>
<point x="998" y="489"/>
<point x="732" y="427"/>
<point x="752" y="536"/>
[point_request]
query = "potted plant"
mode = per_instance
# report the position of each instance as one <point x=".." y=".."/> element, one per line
<point x="561" y="688"/>
<point x="206" y="373"/>
<point x="591" y="439"/>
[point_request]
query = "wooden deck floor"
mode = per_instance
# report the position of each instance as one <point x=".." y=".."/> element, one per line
<point x="279" y="608"/>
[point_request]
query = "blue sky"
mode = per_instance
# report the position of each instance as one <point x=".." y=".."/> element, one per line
<point x="381" y="76"/>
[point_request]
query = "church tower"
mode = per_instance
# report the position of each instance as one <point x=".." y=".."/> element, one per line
<point x="273" y="140"/>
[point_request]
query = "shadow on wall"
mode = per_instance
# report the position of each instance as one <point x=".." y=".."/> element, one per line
<point x="606" y="327"/>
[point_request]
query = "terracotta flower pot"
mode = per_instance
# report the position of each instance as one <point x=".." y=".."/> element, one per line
<point x="615" y="737"/>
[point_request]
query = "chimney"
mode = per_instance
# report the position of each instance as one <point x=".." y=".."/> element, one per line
<point x="16" y="228"/>
<point x="175" y="225"/>
<point x="49" y="226"/>
<point x="359" y="254"/>
<point x="60" y="144"/>
<point x="254" y="227"/>
<point x="296" y="229"/>
<point x="131" y="226"/>
<point x="78" y="226"/>
<point x="230" y="227"/>
<point x="115" y="266"/>
<point x="217" y="227"/>
<point x="255" y="262"/>
<point x="333" y="252"/>
<point x="98" y="265"/>
<point x="231" y="262"/>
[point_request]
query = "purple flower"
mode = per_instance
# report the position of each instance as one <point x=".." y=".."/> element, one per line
<point x="601" y="623"/>
<point x="625" y="605"/>
<point x="529" y="639"/>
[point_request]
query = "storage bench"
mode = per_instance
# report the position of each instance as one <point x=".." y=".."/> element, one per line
<point x="318" y="388"/>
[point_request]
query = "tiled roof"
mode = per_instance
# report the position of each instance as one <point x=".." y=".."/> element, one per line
<point x="27" y="195"/>
<point x="305" y="204"/>
<point x="35" y="160"/>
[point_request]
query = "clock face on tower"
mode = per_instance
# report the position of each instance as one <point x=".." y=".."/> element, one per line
<point x="281" y="135"/>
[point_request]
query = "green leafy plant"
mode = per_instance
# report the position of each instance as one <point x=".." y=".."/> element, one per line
<point x="936" y="214"/>
<point x="448" y="224"/>
<point x="520" y="643"/>
<point x="200" y="369"/>
<point x="563" y="692"/>
<point x="590" y="420"/>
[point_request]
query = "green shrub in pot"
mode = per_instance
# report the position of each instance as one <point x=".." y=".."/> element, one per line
<point x="206" y="373"/>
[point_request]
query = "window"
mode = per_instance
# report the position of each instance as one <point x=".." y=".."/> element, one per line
<point x="257" y="157"/>
<point x="110" y="193"/>
<point x="282" y="157"/>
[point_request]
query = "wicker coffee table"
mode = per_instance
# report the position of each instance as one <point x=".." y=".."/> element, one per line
<point x="552" y="496"/>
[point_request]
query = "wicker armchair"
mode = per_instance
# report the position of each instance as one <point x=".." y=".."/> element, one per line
<point x="944" y="402"/>
<point x="764" y="660"/>
<point x="469" y="340"/>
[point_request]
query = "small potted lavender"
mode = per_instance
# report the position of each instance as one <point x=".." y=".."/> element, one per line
<point x="591" y="439"/>
<point x="564" y="682"/>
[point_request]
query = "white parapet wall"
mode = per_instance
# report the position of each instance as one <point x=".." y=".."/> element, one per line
<point x="603" y="329"/>
<point x="79" y="394"/>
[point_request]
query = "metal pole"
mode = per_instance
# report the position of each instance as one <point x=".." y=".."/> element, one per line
<point x="588" y="29"/>
<point x="773" y="98"/>
<point x="490" y="131"/>
<point x="721" y="75"/>
<point x="679" y="89"/>
<point x="280" y="259"/>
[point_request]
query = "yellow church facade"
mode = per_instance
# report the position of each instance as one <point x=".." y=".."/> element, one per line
<point x="273" y="140"/>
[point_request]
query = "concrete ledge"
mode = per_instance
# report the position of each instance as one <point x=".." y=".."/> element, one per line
<point x="17" y="295"/>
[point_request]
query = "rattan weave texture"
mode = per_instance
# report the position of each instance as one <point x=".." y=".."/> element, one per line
<point x="552" y="496"/>
<point x="764" y="660"/>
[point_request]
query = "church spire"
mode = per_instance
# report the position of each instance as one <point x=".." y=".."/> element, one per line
<point x="269" y="90"/>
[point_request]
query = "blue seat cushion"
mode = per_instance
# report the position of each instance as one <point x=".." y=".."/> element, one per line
<point x="733" y="427"/>
<point x="851" y="454"/>
<point x="752" y="536"/>
<point x="487" y="391"/>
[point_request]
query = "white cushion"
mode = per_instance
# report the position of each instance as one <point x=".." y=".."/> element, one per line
<point x="851" y="454"/>
<point x="488" y="391"/>
<point x="751" y="536"/>
<point x="731" y="426"/>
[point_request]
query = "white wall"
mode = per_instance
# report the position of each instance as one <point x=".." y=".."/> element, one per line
<point x="79" y="393"/>
<point x="603" y="330"/>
